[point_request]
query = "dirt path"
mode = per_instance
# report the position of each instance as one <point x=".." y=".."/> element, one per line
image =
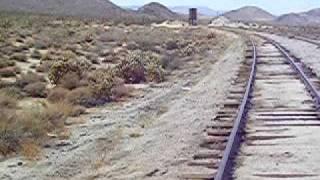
<point x="151" y="136"/>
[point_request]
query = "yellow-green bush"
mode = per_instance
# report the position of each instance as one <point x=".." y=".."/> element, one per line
<point x="61" y="68"/>
<point x="140" y="66"/>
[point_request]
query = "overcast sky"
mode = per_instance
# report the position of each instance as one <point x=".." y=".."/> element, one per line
<point x="273" y="6"/>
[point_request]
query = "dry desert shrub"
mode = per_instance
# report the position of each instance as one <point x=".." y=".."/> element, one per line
<point x="141" y="66"/>
<point x="9" y="71"/>
<point x="171" y="45"/>
<point x="171" y="62"/>
<point x="101" y="83"/>
<point x="30" y="149"/>
<point x="36" y="54"/>
<point x="57" y="94"/>
<point x="7" y="100"/>
<point x="6" y="63"/>
<point x="132" y="69"/>
<point x="22" y="130"/>
<point x="37" y="89"/>
<point x="29" y="78"/>
<point x="70" y="81"/>
<point x="81" y="96"/>
<point x="20" y="57"/>
<point x="61" y="68"/>
<point x="44" y="66"/>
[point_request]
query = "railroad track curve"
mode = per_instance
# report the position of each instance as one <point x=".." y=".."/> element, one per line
<point x="268" y="126"/>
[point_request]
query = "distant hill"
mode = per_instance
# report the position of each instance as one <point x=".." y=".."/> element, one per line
<point x="311" y="17"/>
<point x="82" y="8"/>
<point x="205" y="11"/>
<point x="158" y="10"/>
<point x="249" y="13"/>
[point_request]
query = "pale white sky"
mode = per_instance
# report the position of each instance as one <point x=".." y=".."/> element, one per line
<point x="274" y="6"/>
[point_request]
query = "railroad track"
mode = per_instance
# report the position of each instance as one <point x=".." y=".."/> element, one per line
<point x="268" y="126"/>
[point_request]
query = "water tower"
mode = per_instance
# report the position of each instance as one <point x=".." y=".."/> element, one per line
<point x="193" y="16"/>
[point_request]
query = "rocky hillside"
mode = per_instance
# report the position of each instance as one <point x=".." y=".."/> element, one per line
<point x="311" y="17"/>
<point x="249" y="13"/>
<point x="82" y="8"/>
<point x="158" y="10"/>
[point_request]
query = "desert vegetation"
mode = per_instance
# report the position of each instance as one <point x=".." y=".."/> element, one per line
<point x="55" y="68"/>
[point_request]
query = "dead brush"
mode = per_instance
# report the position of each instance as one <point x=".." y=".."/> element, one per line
<point x="30" y="149"/>
<point x="24" y="130"/>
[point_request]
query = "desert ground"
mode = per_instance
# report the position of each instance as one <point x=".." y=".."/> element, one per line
<point x="95" y="121"/>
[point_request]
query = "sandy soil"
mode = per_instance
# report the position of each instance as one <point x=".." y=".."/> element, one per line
<point x="148" y="137"/>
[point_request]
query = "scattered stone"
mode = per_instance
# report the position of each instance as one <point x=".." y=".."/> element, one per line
<point x="47" y="146"/>
<point x="83" y="134"/>
<point x="68" y="122"/>
<point x="135" y="135"/>
<point x="152" y="173"/>
<point x="12" y="165"/>
<point x="63" y="143"/>
<point x="52" y="135"/>
<point x="186" y="88"/>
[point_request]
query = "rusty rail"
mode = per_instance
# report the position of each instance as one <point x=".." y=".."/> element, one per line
<point x="300" y="71"/>
<point x="225" y="167"/>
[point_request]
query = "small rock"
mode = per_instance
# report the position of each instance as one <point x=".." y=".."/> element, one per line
<point x="63" y="143"/>
<point x="12" y="165"/>
<point x="83" y="134"/>
<point x="186" y="88"/>
<point x="47" y="146"/>
<point x="52" y="135"/>
<point x="20" y="163"/>
<point x="163" y="172"/>
<point x="135" y="135"/>
<point x="68" y="122"/>
<point x="152" y="173"/>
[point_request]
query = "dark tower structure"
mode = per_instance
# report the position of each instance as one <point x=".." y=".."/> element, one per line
<point x="193" y="16"/>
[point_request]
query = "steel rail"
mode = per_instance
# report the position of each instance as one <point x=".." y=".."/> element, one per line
<point x="300" y="71"/>
<point x="225" y="166"/>
<point x="308" y="40"/>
